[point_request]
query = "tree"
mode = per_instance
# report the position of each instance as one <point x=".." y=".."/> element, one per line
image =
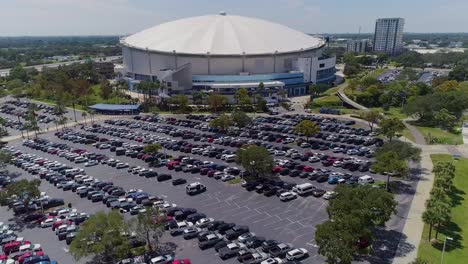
<point x="447" y="86"/>
<point x="317" y="89"/>
<point x="241" y="119"/>
<point x="222" y="122"/>
<point x="25" y="190"/>
<point x="372" y="117"/>
<point x="255" y="160"/>
<point x="351" y="69"/>
<point x="437" y="213"/>
<point x="84" y="115"/>
<point x="106" y="89"/>
<point x="152" y="148"/>
<point x="353" y="214"/>
<point x="459" y="73"/>
<point x="337" y="241"/>
<point x="216" y="101"/>
<point x="242" y="97"/>
<point x="31" y="119"/>
<point x="149" y="226"/>
<point x="262" y="104"/>
<point x="444" y="119"/>
<point x="307" y="128"/>
<point x="103" y="235"/>
<point x="389" y="163"/>
<point x="404" y="150"/>
<point x="181" y="102"/>
<point x="389" y="127"/>
<point x="5" y="158"/>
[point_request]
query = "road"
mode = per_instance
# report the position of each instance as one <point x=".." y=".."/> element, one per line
<point x="6" y="72"/>
<point x="341" y="94"/>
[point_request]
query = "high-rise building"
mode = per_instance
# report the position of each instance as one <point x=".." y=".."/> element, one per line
<point x="388" y="35"/>
<point x="358" y="45"/>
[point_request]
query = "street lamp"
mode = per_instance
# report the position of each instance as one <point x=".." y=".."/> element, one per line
<point x="443" y="248"/>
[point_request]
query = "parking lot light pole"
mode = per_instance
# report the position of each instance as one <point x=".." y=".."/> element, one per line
<point x="443" y="249"/>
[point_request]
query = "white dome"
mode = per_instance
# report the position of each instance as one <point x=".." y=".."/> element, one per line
<point x="222" y="35"/>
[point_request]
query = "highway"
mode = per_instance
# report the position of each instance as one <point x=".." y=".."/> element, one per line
<point x="5" y="72"/>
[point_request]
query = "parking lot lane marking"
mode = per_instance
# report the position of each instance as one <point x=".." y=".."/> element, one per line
<point x="263" y="219"/>
<point x="229" y="210"/>
<point x="250" y="216"/>
<point x="208" y="205"/>
<point x="243" y="212"/>
<point x="66" y="249"/>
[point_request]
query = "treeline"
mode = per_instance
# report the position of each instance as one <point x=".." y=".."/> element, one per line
<point x="30" y="51"/>
<point x="418" y="60"/>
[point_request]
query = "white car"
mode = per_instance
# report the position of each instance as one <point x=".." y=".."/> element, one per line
<point x="272" y="261"/>
<point x="91" y="163"/>
<point x="161" y="259"/>
<point x="287" y="196"/>
<point x="244" y="237"/>
<point x="48" y="222"/>
<point x="204" y="222"/>
<point x="297" y="253"/>
<point x="227" y="177"/>
<point x="329" y="195"/>
<point x="121" y="165"/>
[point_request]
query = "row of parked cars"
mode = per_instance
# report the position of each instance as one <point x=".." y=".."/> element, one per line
<point x="181" y="219"/>
<point x="17" y="250"/>
<point x="286" y="167"/>
<point x="64" y="221"/>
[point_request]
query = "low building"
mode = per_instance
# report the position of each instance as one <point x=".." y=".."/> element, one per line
<point x="105" y="69"/>
<point x="114" y="109"/>
<point x="358" y="45"/>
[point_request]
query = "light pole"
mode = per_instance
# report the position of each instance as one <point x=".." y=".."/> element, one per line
<point x="443" y="248"/>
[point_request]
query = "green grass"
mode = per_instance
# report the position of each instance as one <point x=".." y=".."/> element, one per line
<point x="407" y="134"/>
<point x="456" y="251"/>
<point x="440" y="136"/>
<point x="235" y="181"/>
<point x="392" y="112"/>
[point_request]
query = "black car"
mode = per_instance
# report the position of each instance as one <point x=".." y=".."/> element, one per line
<point x="164" y="177"/>
<point x="69" y="238"/>
<point x="236" y="231"/>
<point x="214" y="225"/>
<point x="225" y="227"/>
<point x="254" y="242"/>
<point x="179" y="181"/>
<point x="33" y="217"/>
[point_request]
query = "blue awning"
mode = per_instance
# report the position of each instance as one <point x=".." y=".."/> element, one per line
<point x="115" y="107"/>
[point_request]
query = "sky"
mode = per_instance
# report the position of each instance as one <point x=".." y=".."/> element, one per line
<point x="121" y="17"/>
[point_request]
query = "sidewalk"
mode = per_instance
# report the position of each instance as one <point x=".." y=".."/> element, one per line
<point x="414" y="225"/>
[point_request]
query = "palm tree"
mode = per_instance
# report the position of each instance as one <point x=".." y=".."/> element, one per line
<point x="84" y="114"/>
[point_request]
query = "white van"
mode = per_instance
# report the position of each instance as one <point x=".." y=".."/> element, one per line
<point x="366" y="179"/>
<point x="303" y="189"/>
<point x="230" y="158"/>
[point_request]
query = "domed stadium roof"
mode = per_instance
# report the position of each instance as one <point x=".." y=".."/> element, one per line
<point x="222" y="35"/>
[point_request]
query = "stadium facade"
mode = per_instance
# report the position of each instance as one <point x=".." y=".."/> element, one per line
<point x="225" y="52"/>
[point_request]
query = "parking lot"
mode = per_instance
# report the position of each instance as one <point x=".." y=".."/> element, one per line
<point x="290" y="222"/>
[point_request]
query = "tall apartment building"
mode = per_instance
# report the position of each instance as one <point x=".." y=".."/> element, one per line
<point x="358" y="45"/>
<point x="388" y="35"/>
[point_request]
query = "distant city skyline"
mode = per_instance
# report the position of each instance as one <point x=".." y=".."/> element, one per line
<point x="120" y="17"/>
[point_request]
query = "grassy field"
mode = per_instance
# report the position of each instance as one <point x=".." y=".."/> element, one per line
<point x="456" y="251"/>
<point x="407" y="134"/>
<point x="392" y="112"/>
<point x="442" y="137"/>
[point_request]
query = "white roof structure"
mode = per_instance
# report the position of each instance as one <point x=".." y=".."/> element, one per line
<point x="222" y="35"/>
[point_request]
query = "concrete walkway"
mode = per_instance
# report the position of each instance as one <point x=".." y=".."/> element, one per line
<point x="414" y="224"/>
<point x="342" y="95"/>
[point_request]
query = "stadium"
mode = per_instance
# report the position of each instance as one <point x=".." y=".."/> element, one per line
<point x="224" y="53"/>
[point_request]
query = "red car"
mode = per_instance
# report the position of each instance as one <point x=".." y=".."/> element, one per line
<point x="308" y="169"/>
<point x="3" y="257"/>
<point x="28" y="254"/>
<point x="14" y="246"/>
<point x="59" y="223"/>
<point x="170" y="165"/>
<point x="181" y="261"/>
<point x="276" y="169"/>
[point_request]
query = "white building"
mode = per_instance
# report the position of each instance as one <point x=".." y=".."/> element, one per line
<point x="224" y="52"/>
<point x="388" y="36"/>
<point x="358" y="46"/>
